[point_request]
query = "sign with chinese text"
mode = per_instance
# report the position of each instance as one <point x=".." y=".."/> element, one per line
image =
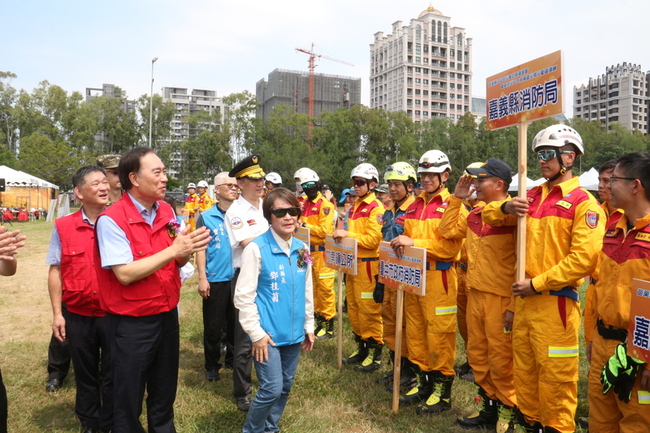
<point x="638" y="338"/>
<point x="303" y="233"/>
<point x="341" y="256"/>
<point x="407" y="273"/>
<point x="525" y="93"/>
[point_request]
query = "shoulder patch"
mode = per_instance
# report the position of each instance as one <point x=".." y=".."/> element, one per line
<point x="236" y="223"/>
<point x="326" y="211"/>
<point x="565" y="204"/>
<point x="380" y="219"/>
<point x="591" y="218"/>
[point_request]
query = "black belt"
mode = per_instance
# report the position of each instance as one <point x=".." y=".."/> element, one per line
<point x="611" y="333"/>
<point x="462" y="266"/>
<point x="317" y="248"/>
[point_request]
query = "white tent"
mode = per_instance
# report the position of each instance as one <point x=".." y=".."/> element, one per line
<point x="26" y="191"/>
<point x="589" y="180"/>
<point x="514" y="185"/>
<point x="20" y="178"/>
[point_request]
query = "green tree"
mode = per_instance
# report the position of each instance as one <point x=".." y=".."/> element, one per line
<point x="48" y="159"/>
<point x="238" y="119"/>
<point x="163" y="113"/>
<point x="117" y="129"/>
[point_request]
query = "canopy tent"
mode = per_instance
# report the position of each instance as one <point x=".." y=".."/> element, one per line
<point x="26" y="191"/>
<point x="514" y="185"/>
<point x="589" y="180"/>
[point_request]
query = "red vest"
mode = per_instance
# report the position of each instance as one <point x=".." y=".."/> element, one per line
<point x="80" y="289"/>
<point x="160" y="291"/>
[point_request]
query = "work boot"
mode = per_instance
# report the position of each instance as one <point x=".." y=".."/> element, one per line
<point x="421" y="390"/>
<point x="506" y="418"/>
<point x="522" y="426"/>
<point x="373" y="360"/>
<point x="388" y="376"/>
<point x="326" y="330"/>
<point x="440" y="399"/>
<point x="358" y="355"/>
<point x="318" y="323"/>
<point x="407" y="377"/>
<point x="486" y="417"/>
<point x="583" y="422"/>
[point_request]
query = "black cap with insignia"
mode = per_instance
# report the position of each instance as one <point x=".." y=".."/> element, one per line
<point x="248" y="167"/>
<point x="493" y="167"/>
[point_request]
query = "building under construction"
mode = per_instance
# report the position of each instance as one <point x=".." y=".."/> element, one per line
<point x="291" y="88"/>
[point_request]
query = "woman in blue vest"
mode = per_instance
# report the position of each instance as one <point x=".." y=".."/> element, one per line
<point x="275" y="301"/>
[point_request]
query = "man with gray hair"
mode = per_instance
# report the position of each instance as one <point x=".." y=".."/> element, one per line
<point x="215" y="276"/>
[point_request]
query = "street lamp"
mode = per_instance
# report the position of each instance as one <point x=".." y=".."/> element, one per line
<point x="151" y="101"/>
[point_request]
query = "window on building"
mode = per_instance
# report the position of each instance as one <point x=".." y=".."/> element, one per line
<point x="417" y="112"/>
<point x="418" y="81"/>
<point x="417" y="91"/>
<point x="418" y="70"/>
<point x="452" y="75"/>
<point x="425" y="81"/>
<point x="425" y="48"/>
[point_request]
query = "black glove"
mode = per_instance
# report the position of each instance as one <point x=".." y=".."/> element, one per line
<point x="378" y="293"/>
<point x="619" y="373"/>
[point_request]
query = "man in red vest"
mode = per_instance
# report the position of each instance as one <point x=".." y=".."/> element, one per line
<point x="72" y="280"/>
<point x="142" y="247"/>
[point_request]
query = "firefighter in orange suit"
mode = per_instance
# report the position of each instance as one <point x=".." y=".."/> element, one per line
<point x="191" y="204"/>
<point x="318" y="217"/>
<point x="431" y="319"/>
<point x="491" y="256"/>
<point x="625" y="255"/>
<point x="204" y="202"/>
<point x="364" y="225"/>
<point x="564" y="230"/>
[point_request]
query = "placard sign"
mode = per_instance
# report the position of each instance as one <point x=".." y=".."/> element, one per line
<point x="303" y="233"/>
<point x="527" y="92"/>
<point x="638" y="337"/>
<point x="341" y="256"/>
<point x="407" y="273"/>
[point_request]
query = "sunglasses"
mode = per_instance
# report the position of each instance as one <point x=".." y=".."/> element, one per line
<point x="280" y="213"/>
<point x="359" y="182"/>
<point x="548" y="154"/>
<point x="308" y="185"/>
<point x="229" y="185"/>
<point x="427" y="164"/>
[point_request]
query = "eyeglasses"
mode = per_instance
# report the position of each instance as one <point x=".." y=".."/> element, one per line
<point x="229" y="185"/>
<point x="280" y="213"/>
<point x="308" y="185"/>
<point x="548" y="154"/>
<point x="612" y="179"/>
<point x="359" y="182"/>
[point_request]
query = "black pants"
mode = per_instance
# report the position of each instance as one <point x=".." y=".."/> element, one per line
<point x="218" y="314"/>
<point x="242" y="361"/>
<point x="91" y="360"/>
<point x="3" y="406"/>
<point x="144" y="352"/>
<point x="58" y="357"/>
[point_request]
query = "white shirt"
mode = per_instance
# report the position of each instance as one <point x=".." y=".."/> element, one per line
<point x="246" y="290"/>
<point x="243" y="221"/>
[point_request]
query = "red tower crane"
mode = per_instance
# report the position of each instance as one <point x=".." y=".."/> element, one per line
<point x="312" y="67"/>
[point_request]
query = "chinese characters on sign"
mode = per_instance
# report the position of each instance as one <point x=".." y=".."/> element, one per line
<point x="527" y="92"/>
<point x="406" y="273"/>
<point x="341" y="256"/>
<point x="639" y="327"/>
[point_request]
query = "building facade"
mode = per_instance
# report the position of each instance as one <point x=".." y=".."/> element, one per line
<point x="109" y="91"/>
<point x="621" y="95"/>
<point x="423" y="69"/>
<point x="291" y="88"/>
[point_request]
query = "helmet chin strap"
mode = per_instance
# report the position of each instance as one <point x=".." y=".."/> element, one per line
<point x="563" y="169"/>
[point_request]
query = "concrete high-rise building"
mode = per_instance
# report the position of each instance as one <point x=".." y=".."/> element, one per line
<point x="423" y="69"/>
<point x="621" y="94"/>
<point x="291" y="88"/>
<point x="109" y="91"/>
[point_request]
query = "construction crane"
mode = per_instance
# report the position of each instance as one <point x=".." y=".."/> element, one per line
<point x="312" y="67"/>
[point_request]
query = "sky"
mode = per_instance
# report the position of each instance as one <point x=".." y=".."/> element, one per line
<point x="228" y="46"/>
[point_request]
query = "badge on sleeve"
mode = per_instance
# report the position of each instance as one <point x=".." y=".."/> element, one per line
<point x="326" y="211"/>
<point x="592" y="218"/>
<point x="236" y="223"/>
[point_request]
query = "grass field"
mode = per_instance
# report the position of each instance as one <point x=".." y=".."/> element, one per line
<point x="323" y="399"/>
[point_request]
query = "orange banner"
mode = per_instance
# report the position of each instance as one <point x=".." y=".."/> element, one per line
<point x="525" y="93"/>
<point x="638" y="340"/>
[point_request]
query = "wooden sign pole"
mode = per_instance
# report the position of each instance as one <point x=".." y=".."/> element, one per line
<point x="522" y="163"/>
<point x="339" y="322"/>
<point x="397" y="365"/>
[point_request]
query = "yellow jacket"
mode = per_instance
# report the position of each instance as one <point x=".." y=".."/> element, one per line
<point x="422" y="224"/>
<point x="364" y="225"/>
<point x="318" y="216"/>
<point x="625" y="255"/>
<point x="205" y="202"/>
<point x="564" y="230"/>
<point x="191" y="202"/>
<point x="491" y="251"/>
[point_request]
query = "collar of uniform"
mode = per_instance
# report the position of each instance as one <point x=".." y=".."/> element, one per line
<point x="408" y="202"/>
<point x="319" y="196"/>
<point x="141" y="209"/>
<point x="85" y="219"/>
<point x="443" y="195"/>
<point x="566" y="186"/>
<point x="245" y="203"/>
<point x="369" y="198"/>
<point x="605" y="207"/>
<point x="640" y="223"/>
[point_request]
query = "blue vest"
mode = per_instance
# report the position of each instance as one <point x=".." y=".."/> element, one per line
<point x="280" y="296"/>
<point x="218" y="266"/>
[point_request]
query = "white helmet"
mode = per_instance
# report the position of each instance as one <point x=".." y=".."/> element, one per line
<point x="274" y="178"/>
<point x="191" y="185"/>
<point x="202" y="184"/>
<point x="433" y="161"/>
<point x="365" y="171"/>
<point x="305" y="174"/>
<point x="557" y="136"/>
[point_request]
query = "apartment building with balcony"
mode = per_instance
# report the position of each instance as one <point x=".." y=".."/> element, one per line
<point x="423" y="69"/>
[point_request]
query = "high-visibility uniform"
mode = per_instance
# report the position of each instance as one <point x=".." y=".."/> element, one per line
<point x="318" y="216"/>
<point x="364" y="225"/>
<point x="191" y="203"/>
<point x="625" y="255"/>
<point x="431" y="319"/>
<point x="461" y="296"/>
<point x="205" y="202"/>
<point x="491" y="261"/>
<point x="564" y="228"/>
<point x="393" y="226"/>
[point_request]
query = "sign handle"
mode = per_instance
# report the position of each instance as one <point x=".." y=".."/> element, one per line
<point x="397" y="364"/>
<point x="339" y="324"/>
<point x="521" y="222"/>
